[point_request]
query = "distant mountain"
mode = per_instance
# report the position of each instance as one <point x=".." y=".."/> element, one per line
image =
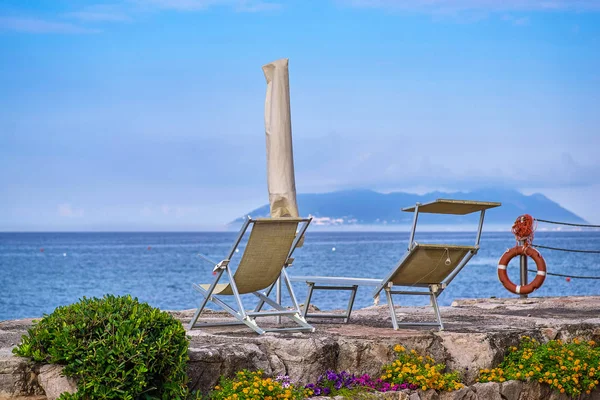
<point x="366" y="207"/>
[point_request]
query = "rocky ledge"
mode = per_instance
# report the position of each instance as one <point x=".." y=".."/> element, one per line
<point x="477" y="334"/>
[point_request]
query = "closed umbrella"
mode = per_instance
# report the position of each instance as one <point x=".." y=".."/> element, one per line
<point x="280" y="154"/>
<point x="278" y="129"/>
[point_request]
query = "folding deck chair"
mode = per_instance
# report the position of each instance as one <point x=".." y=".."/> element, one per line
<point x="267" y="254"/>
<point x="427" y="267"/>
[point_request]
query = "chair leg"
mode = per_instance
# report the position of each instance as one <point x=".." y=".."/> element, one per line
<point x="293" y="315"/>
<point x="390" y="301"/>
<point x="436" y="308"/>
<point x="278" y="295"/>
<point x="308" y="298"/>
<point x="241" y="319"/>
<point x="288" y="284"/>
<point x="261" y="302"/>
<point x="236" y="294"/>
<point x="298" y="317"/>
<point x="205" y="300"/>
<point x="350" y="303"/>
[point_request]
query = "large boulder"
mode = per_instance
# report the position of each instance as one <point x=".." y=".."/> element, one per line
<point x="18" y="377"/>
<point x="54" y="383"/>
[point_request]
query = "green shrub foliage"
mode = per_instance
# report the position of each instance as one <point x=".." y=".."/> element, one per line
<point x="115" y="347"/>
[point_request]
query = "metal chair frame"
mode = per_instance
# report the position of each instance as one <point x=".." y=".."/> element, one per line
<point x="386" y="284"/>
<point x="249" y="317"/>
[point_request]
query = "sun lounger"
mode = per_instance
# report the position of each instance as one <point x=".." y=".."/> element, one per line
<point x="425" y="269"/>
<point x="266" y="256"/>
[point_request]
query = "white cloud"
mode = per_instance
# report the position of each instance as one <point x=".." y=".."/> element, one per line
<point x="146" y="211"/>
<point x="256" y="6"/>
<point x="519" y="21"/>
<point x="100" y="13"/>
<point x="197" y="5"/>
<point x="35" y="25"/>
<point x="457" y="6"/>
<point x="67" y="211"/>
<point x="122" y="12"/>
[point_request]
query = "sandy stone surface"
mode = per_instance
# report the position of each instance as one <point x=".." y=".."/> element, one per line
<point x="477" y="333"/>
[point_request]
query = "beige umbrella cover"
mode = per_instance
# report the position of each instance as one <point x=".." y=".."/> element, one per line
<point x="278" y="128"/>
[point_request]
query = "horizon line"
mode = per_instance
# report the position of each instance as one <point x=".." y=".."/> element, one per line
<point x="317" y="230"/>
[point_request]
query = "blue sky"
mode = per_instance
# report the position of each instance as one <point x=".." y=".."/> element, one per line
<point x="134" y="114"/>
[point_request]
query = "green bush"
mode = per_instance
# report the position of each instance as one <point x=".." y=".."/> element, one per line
<point x="115" y="347"/>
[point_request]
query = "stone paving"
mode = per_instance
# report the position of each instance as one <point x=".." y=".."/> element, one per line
<point x="477" y="333"/>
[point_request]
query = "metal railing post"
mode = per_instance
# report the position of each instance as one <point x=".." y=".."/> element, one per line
<point x="523" y="271"/>
<point x="414" y="226"/>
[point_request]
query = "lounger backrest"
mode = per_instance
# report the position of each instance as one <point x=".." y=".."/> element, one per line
<point x="265" y="254"/>
<point x="427" y="264"/>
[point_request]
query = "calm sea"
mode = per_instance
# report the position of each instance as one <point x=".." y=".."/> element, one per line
<point x="159" y="268"/>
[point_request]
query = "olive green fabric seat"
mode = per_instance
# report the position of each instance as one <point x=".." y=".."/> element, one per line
<point x="267" y="254"/>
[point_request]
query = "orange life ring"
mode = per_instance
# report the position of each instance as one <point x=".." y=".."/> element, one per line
<point x="539" y="262"/>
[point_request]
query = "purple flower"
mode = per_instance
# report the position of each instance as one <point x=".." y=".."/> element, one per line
<point x="284" y="380"/>
<point x="331" y="382"/>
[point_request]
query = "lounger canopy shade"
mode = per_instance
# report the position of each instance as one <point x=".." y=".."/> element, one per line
<point x="424" y="270"/>
<point x="456" y="207"/>
<point x="278" y="129"/>
<point x="267" y="254"/>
